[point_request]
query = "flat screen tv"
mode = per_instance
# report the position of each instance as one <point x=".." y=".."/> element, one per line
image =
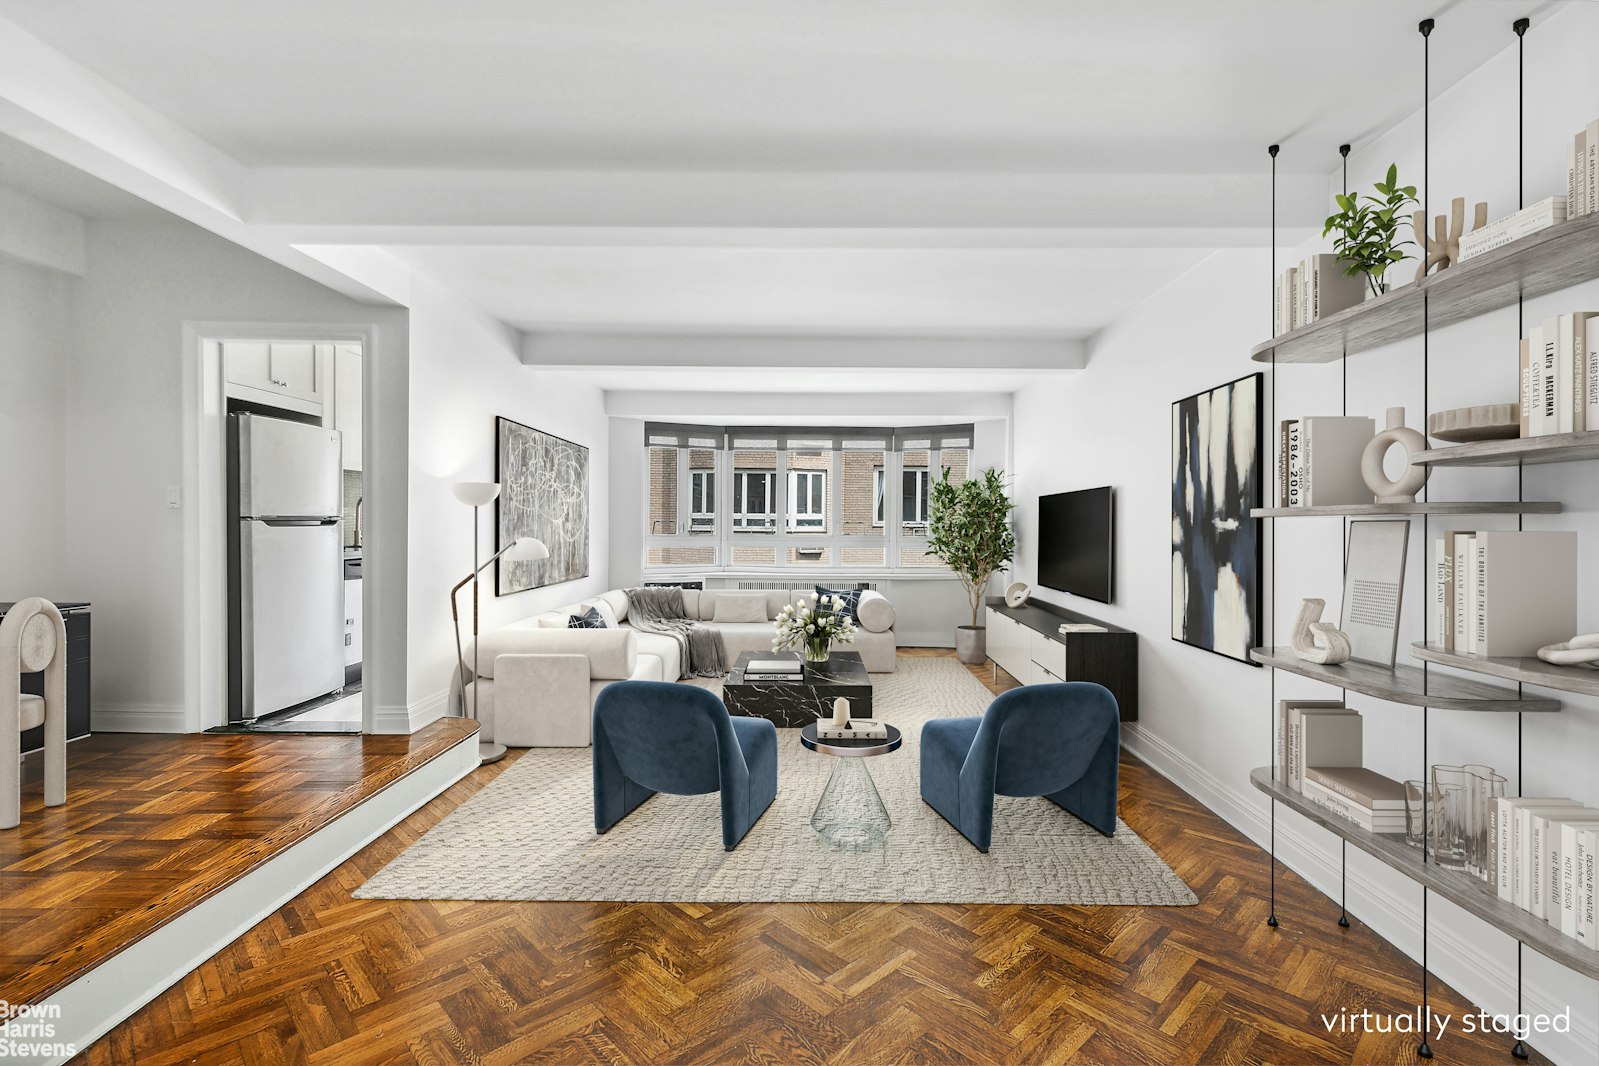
<point x="1076" y="538"/>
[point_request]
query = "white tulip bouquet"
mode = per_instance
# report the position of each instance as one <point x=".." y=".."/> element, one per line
<point x="814" y="625"/>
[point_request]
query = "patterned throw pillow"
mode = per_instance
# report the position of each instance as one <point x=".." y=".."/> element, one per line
<point x="852" y="600"/>
<point x="589" y="619"/>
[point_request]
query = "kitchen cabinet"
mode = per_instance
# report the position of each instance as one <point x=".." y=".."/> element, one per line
<point x="294" y="376"/>
<point x="347" y="402"/>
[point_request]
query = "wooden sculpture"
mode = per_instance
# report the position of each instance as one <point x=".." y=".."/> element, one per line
<point x="1443" y="251"/>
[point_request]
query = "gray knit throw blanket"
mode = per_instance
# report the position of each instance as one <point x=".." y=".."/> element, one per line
<point x="660" y="610"/>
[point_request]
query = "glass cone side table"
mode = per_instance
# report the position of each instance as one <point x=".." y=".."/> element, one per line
<point x="850" y="813"/>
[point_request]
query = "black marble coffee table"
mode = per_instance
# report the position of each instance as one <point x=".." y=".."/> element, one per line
<point x="794" y="704"/>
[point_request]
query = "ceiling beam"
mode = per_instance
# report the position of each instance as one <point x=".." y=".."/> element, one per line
<point x="710" y="351"/>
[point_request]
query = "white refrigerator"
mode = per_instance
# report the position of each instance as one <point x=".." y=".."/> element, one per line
<point x="286" y="564"/>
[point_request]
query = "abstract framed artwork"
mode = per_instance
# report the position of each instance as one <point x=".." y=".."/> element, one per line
<point x="1216" y="477"/>
<point x="544" y="493"/>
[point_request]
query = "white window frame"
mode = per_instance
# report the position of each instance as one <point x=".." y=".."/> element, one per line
<point x="740" y="518"/>
<point x="807" y="521"/>
<point x="880" y="502"/>
<point x="702" y="487"/>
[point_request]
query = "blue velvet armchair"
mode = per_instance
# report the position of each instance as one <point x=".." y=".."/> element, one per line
<point x="654" y="737"/>
<point x="1058" y="741"/>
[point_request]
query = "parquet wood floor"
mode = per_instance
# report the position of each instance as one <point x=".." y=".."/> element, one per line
<point x="328" y="979"/>
<point x="156" y="823"/>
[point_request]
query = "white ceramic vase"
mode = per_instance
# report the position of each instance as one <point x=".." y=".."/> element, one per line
<point x="1371" y="472"/>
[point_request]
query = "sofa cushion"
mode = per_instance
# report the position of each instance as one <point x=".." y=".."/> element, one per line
<point x="606" y="612"/>
<point x="740" y="607"/>
<point x="851" y="599"/>
<point x="611" y="652"/>
<point x="740" y="637"/>
<point x="616" y="599"/>
<point x="875" y="612"/>
<point x="664" y="648"/>
<point x="589" y="619"/>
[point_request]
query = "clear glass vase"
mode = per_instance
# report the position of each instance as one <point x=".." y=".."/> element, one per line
<point x="817" y="650"/>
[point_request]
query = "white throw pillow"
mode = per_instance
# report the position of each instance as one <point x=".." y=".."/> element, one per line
<point x="740" y="607"/>
<point x="875" y="613"/>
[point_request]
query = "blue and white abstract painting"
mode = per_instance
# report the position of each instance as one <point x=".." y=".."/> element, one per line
<point x="1216" y="478"/>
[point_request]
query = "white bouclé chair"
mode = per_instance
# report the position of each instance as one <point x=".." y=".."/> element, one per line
<point x="33" y="637"/>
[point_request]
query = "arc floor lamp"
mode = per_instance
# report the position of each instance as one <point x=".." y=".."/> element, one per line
<point x="477" y="494"/>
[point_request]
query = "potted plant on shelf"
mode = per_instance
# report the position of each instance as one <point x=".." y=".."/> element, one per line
<point x="1367" y="227"/>
<point x="968" y="527"/>
<point x="814" y="625"/>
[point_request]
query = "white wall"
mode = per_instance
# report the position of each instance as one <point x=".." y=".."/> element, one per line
<point x="465" y="371"/>
<point x="36" y="324"/>
<point x="1204" y="719"/>
<point x="123" y="446"/>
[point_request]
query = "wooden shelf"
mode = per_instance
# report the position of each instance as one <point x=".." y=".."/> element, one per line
<point x="1529" y="669"/>
<point x="1465" y="507"/>
<point x="1457" y="886"/>
<point x="1555" y="258"/>
<point x="1522" y="451"/>
<point x="1408" y="685"/>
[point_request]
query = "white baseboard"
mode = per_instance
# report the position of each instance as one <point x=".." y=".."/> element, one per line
<point x="138" y="718"/>
<point x="1457" y="951"/>
<point x="92" y="1005"/>
<point x="393" y="719"/>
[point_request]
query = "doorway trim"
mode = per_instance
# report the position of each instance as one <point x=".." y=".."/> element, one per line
<point x="204" y="503"/>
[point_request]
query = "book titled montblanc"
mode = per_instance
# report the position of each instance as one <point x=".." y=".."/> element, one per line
<point x="1526" y="590"/>
<point x="1331" y="447"/>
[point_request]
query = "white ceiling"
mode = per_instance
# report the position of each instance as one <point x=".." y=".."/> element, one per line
<point x="781" y="167"/>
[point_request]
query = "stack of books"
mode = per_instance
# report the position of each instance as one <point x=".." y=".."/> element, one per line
<point x="1365" y="797"/>
<point x="1315" y="288"/>
<point x="769" y="670"/>
<point x="854" y="729"/>
<point x="1319" y="749"/>
<point x="1504" y="592"/>
<point x="1542" y="853"/>
<point x="1560" y="376"/>
<point x="1547" y="212"/>
<point x="1318" y="461"/>
<point x="1582" y="178"/>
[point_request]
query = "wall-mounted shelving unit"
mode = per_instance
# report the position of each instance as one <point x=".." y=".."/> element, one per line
<point x="1522" y="451"/>
<point x="1461" y="889"/>
<point x="1357" y="510"/>
<point x="1408" y="685"/>
<point x="1523" y="670"/>
<point x="1551" y="259"/>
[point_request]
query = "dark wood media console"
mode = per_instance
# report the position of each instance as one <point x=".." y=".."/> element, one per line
<point x="1026" y="643"/>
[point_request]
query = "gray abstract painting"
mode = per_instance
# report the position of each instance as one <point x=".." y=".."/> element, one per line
<point x="544" y="493"/>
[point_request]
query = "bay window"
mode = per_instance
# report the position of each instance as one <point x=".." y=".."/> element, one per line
<point x="743" y="498"/>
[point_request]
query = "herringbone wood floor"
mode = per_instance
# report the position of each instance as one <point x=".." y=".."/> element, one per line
<point x="328" y="979"/>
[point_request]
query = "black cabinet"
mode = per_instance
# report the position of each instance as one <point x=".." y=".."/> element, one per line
<point x="1026" y="643"/>
<point x="76" y="616"/>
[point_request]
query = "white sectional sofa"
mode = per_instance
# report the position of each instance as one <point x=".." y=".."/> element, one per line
<point x="539" y="678"/>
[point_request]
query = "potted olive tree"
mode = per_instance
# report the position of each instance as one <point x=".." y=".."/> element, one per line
<point x="968" y="527"/>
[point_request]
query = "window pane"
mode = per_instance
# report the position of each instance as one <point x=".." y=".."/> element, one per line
<point x="807" y="492"/>
<point x="663" y="491"/>
<point x="959" y="462"/>
<point x="754" y="555"/>
<point x="753" y="496"/>
<point x="862" y="556"/>
<point x="808" y="556"/>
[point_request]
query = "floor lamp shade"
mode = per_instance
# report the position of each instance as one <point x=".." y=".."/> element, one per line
<point x="476" y="493"/>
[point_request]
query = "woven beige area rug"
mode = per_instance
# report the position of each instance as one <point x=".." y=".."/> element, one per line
<point x="530" y="835"/>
